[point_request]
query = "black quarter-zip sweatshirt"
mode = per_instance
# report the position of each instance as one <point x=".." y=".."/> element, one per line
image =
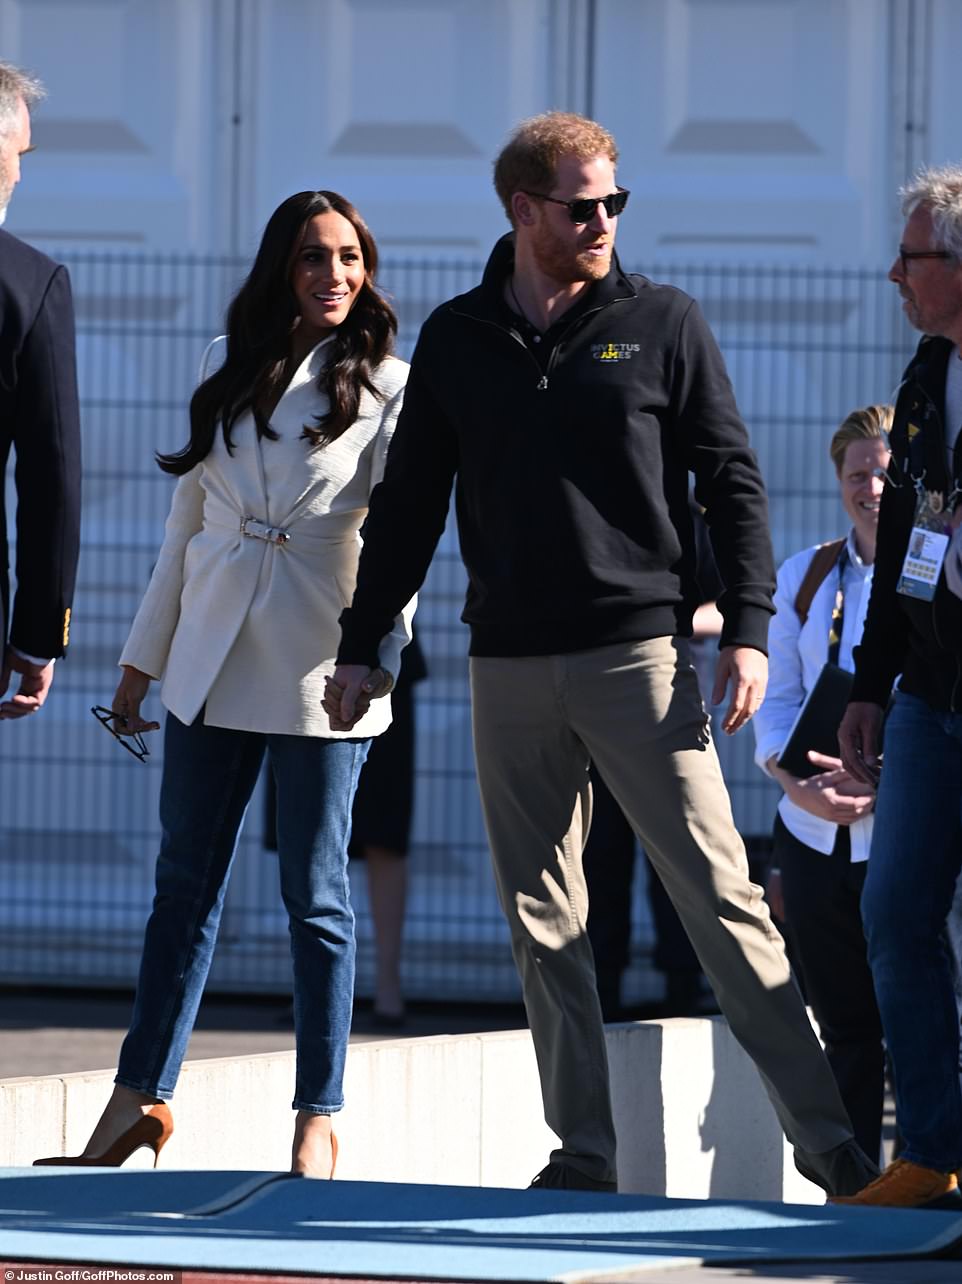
<point x="571" y="466"/>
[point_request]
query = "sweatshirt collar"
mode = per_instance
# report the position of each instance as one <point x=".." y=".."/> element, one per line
<point x="488" y="299"/>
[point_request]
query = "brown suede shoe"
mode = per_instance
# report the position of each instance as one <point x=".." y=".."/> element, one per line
<point x="907" y="1185"/>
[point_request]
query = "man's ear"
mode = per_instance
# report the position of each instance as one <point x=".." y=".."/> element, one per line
<point x="522" y="208"/>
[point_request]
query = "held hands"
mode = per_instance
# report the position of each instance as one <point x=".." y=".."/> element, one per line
<point x="129" y="696"/>
<point x="747" y="671"/>
<point x="35" y="681"/>
<point x="859" y="738"/>
<point x="832" y="795"/>
<point x="348" y="694"/>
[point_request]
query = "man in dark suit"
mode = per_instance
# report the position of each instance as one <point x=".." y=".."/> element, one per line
<point x="39" y="417"/>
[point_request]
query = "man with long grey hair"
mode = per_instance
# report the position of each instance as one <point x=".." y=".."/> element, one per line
<point x="39" y="418"/>
<point x="914" y="627"/>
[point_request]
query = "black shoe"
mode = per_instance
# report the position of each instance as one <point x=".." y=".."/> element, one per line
<point x="844" y="1170"/>
<point x="557" y="1176"/>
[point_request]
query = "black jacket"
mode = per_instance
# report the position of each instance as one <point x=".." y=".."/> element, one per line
<point x="39" y="417"/>
<point x="921" y="640"/>
<point x="572" y="475"/>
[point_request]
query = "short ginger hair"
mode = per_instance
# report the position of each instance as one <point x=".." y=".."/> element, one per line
<point x="528" y="161"/>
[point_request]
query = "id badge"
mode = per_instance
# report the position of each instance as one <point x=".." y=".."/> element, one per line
<point x="928" y="544"/>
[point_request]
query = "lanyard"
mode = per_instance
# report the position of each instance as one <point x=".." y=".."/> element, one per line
<point x="838" y="610"/>
<point x="916" y="463"/>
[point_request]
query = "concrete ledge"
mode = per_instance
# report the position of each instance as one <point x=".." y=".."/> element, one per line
<point x="692" y="1117"/>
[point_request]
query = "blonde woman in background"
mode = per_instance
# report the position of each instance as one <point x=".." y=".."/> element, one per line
<point x="824" y="823"/>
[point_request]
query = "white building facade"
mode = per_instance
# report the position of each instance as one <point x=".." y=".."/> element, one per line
<point x="763" y="141"/>
<point x="759" y="129"/>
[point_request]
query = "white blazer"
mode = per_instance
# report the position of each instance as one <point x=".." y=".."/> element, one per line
<point x="248" y="629"/>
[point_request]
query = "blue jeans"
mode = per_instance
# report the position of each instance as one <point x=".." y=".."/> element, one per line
<point x="209" y="776"/>
<point x="915" y="862"/>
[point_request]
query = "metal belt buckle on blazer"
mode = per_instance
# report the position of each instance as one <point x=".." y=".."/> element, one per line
<point x="254" y="529"/>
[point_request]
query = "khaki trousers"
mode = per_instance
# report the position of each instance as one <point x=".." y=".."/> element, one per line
<point x="636" y="711"/>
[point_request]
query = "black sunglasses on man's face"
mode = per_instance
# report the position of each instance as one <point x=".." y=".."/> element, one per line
<point x="583" y="209"/>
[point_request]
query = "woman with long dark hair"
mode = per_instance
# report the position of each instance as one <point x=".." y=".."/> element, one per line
<point x="288" y="437"/>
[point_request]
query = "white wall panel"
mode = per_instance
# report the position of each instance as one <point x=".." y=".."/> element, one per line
<point x="399" y="106"/>
<point x="942" y="127"/>
<point x="749" y="129"/>
<point x="127" y="141"/>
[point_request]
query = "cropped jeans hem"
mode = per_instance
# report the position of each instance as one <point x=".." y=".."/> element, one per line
<point x="147" y="1090"/>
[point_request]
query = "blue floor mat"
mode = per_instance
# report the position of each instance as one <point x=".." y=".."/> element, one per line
<point x="268" y="1222"/>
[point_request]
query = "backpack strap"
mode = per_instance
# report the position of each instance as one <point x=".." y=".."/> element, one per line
<point x="823" y="559"/>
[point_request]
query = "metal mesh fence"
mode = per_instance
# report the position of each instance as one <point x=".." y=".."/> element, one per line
<point x="78" y="817"/>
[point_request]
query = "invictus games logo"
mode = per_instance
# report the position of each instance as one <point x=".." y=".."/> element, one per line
<point x="614" y="351"/>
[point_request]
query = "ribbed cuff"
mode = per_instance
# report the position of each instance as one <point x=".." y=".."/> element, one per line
<point x="358" y="645"/>
<point x="747" y="626"/>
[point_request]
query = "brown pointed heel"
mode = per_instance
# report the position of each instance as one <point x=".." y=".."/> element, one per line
<point x="154" y="1130"/>
<point x="333" y="1155"/>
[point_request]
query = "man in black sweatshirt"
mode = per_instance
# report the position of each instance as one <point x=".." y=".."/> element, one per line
<point x="569" y="401"/>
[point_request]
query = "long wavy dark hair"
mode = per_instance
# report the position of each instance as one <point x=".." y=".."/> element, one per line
<point x="261" y="321"/>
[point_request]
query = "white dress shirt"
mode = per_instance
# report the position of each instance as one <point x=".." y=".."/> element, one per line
<point x="796" y="653"/>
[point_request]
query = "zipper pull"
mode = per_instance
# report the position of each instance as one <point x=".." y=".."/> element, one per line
<point x="543" y="383"/>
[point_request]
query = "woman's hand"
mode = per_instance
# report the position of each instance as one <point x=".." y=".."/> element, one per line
<point x="348" y="694"/>
<point x="129" y="696"/>
<point x="832" y="795"/>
